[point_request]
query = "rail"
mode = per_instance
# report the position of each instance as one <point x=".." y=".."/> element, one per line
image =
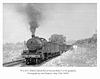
<point x="13" y="63"/>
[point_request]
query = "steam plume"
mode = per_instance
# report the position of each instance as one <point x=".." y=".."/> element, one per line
<point x="33" y="14"/>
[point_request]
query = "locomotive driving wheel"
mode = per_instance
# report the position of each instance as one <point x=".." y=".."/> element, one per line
<point x="27" y="61"/>
<point x="34" y="61"/>
<point x="37" y="60"/>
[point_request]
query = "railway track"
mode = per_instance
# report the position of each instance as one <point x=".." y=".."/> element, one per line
<point x="14" y="63"/>
<point x="21" y="63"/>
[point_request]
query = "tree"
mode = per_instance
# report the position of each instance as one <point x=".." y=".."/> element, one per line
<point x="55" y="38"/>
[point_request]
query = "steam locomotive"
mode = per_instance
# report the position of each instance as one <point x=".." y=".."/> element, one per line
<point x="39" y="49"/>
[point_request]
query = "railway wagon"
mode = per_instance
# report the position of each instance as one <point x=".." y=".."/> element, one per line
<point x="67" y="47"/>
<point x="48" y="50"/>
<point x="57" y="50"/>
<point x="52" y="49"/>
<point x="61" y="48"/>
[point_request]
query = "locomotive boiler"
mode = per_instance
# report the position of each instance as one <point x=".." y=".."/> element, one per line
<point x="35" y="43"/>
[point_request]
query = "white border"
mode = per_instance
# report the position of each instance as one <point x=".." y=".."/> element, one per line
<point x="81" y="72"/>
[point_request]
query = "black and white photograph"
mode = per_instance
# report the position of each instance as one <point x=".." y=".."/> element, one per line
<point x="49" y="35"/>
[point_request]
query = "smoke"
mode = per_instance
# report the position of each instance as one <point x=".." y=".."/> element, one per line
<point x="33" y="14"/>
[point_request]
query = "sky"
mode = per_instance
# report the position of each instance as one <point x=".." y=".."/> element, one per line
<point x="73" y="20"/>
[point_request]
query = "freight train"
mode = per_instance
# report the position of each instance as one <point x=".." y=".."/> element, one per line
<point x="39" y="49"/>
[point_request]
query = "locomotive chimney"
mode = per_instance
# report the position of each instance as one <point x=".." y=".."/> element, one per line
<point x="33" y="36"/>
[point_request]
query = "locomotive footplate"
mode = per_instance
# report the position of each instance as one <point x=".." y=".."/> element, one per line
<point x="31" y="55"/>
